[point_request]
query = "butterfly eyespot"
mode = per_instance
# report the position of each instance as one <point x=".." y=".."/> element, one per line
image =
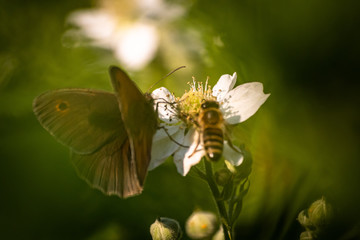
<point x="62" y="106"/>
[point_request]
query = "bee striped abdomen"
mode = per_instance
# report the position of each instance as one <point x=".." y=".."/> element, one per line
<point x="213" y="143"/>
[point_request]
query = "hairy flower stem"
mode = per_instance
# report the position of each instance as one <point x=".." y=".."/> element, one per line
<point x="219" y="201"/>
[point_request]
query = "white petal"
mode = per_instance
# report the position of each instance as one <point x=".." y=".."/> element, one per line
<point x="170" y="129"/>
<point x="163" y="146"/>
<point x="98" y="25"/>
<point x="185" y="158"/>
<point x="162" y="104"/>
<point x="243" y="101"/>
<point x="163" y="94"/>
<point x="136" y="45"/>
<point x="160" y="9"/>
<point x="223" y="86"/>
<point x="234" y="157"/>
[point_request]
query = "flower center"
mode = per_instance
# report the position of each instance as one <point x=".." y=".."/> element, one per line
<point x="190" y="103"/>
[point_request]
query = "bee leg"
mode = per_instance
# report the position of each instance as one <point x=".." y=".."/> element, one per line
<point x="171" y="138"/>
<point x="193" y="121"/>
<point x="231" y="145"/>
<point x="195" y="149"/>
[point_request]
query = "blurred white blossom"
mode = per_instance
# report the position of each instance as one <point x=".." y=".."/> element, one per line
<point x="133" y="30"/>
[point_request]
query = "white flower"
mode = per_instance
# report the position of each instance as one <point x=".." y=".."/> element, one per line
<point x="162" y="146"/>
<point x="236" y="104"/>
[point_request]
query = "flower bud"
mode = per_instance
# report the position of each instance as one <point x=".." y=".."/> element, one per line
<point x="304" y="220"/>
<point x="165" y="229"/>
<point x="320" y="213"/>
<point x="201" y="225"/>
<point x="307" y="235"/>
<point x="222" y="177"/>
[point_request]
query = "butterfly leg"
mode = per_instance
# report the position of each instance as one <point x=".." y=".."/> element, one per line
<point x="171" y="109"/>
<point x="171" y="138"/>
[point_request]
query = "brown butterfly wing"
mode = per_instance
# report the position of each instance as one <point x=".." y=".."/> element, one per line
<point x="109" y="169"/>
<point x="81" y="119"/>
<point x="90" y="124"/>
<point x="111" y="150"/>
<point x="140" y="122"/>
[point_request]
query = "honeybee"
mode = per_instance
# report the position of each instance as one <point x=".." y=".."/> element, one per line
<point x="210" y="125"/>
<point x="211" y="128"/>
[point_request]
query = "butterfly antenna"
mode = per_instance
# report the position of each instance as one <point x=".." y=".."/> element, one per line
<point x="165" y="77"/>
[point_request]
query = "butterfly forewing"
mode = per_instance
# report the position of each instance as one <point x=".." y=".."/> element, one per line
<point x="81" y="119"/>
<point x="139" y="118"/>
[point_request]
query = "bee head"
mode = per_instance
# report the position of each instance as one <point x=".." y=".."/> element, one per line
<point x="209" y="104"/>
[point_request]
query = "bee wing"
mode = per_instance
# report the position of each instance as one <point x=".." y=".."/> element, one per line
<point x="81" y="119"/>
<point x="139" y="119"/>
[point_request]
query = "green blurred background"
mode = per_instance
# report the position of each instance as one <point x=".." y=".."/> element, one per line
<point x="304" y="139"/>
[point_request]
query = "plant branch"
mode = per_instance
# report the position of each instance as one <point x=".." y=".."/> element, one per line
<point x="219" y="201"/>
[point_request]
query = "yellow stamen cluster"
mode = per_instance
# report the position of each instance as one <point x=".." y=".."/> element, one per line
<point x="189" y="104"/>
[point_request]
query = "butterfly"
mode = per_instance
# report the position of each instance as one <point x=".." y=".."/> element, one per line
<point x="109" y="134"/>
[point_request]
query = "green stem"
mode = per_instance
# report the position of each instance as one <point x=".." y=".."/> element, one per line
<point x="200" y="173"/>
<point x="219" y="202"/>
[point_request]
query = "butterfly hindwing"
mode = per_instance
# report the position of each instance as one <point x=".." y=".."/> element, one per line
<point x="109" y="170"/>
